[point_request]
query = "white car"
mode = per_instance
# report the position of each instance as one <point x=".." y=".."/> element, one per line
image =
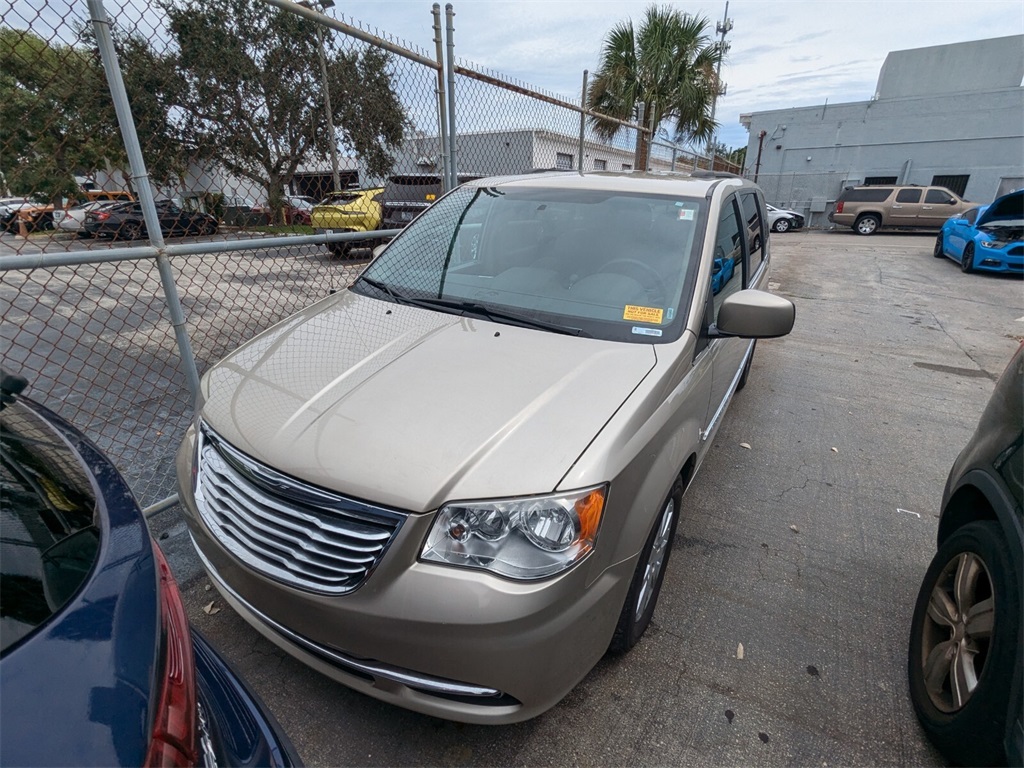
<point x="782" y="220"/>
<point x="73" y="219"/>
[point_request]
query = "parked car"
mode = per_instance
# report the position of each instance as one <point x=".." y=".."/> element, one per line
<point x="782" y="220"/>
<point x="354" y="210"/>
<point x="406" y="196"/>
<point x="108" y="195"/>
<point x="125" y="221"/>
<point x="36" y="215"/>
<point x="297" y="209"/>
<point x="868" y="209"/>
<point x="245" y="212"/>
<point x="98" y="665"/>
<point x="454" y="485"/>
<point x="964" y="662"/>
<point x="989" y="238"/>
<point x="73" y="218"/>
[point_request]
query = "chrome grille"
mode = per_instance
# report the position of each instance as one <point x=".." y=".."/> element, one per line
<point x="288" y="530"/>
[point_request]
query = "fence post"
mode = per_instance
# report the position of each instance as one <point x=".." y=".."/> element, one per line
<point x="442" y="117"/>
<point x="583" y="117"/>
<point x="453" y="167"/>
<point x="105" y="43"/>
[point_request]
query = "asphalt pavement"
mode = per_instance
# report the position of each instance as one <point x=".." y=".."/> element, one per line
<point x="780" y="636"/>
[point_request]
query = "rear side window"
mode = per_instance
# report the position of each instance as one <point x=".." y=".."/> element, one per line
<point x="908" y="196"/>
<point x="50" y="537"/>
<point x="865" y="194"/>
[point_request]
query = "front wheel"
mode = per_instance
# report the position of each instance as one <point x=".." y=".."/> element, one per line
<point x="967" y="260"/>
<point x="939" y="250"/>
<point x="781" y="225"/>
<point x="649" y="574"/>
<point x="867" y="225"/>
<point x="963" y="645"/>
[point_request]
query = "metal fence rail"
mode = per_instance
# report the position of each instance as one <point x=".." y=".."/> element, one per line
<point x="112" y="331"/>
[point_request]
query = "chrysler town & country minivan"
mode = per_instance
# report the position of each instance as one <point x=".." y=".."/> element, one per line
<point x="454" y="486"/>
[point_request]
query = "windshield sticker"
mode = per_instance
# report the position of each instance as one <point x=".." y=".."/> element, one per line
<point x="637" y="314"/>
<point x="686" y="214"/>
<point x="647" y="331"/>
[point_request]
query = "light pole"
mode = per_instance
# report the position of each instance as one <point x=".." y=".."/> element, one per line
<point x="721" y="28"/>
<point x="323" y="5"/>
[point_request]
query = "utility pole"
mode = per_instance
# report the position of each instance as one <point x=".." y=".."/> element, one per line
<point x="722" y="28"/>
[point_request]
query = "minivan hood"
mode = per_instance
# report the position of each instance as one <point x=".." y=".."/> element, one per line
<point x="408" y="407"/>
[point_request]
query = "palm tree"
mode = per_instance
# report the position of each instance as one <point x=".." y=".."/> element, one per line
<point x="668" y="66"/>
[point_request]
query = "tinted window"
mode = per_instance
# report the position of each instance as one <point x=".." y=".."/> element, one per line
<point x="908" y="196"/>
<point x="939" y="196"/>
<point x="971" y="215"/>
<point x="755" y="224"/>
<point x="610" y="264"/>
<point x="47" y="508"/>
<point x="866" y="194"/>
<point x="727" y="268"/>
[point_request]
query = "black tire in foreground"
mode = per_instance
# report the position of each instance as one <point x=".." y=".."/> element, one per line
<point x="938" y="251"/>
<point x="649" y="574"/>
<point x="963" y="643"/>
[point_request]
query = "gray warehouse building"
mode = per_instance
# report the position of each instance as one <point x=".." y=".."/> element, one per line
<point x="951" y="115"/>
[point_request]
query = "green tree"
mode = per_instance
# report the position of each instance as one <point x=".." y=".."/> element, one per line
<point x="250" y="92"/>
<point x="56" y="116"/>
<point x="668" y="65"/>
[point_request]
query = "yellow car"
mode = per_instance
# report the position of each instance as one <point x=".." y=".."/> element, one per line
<point x="354" y="210"/>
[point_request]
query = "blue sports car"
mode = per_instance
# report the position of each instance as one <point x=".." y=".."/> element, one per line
<point x="989" y="238"/>
<point x="98" y="664"/>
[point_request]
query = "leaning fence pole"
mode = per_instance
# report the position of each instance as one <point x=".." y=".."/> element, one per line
<point x="453" y="168"/>
<point x="140" y="177"/>
<point x="442" y="115"/>
<point x="583" y="116"/>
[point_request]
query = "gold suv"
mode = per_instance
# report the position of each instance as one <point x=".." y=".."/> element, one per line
<point x="867" y="209"/>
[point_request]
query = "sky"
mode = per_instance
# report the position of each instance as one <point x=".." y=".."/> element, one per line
<point x="786" y="53"/>
<point x="783" y="54"/>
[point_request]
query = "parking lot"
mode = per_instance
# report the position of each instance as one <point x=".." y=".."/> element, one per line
<point x="780" y="636"/>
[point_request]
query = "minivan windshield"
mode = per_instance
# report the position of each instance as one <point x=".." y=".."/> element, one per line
<point x="612" y="265"/>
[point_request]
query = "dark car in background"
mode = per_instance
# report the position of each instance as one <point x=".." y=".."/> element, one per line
<point x="406" y="196"/>
<point x="126" y="222"/>
<point x="964" y="660"/>
<point x="98" y="665"/>
<point x="989" y="238"/>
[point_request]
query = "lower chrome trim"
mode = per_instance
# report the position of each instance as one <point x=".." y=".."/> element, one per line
<point x="363" y="667"/>
<point x="728" y="395"/>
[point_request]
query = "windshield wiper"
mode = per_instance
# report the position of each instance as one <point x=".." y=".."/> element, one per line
<point x="498" y="316"/>
<point x="471" y="307"/>
<point x="387" y="290"/>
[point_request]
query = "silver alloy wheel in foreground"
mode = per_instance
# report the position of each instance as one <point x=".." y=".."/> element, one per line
<point x="656" y="560"/>
<point x="961" y="615"/>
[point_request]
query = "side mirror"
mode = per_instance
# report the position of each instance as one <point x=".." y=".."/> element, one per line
<point x="753" y="314"/>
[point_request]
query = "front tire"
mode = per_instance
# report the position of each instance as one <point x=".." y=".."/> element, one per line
<point x="867" y="225"/>
<point x="939" y="250"/>
<point x="967" y="260"/>
<point x="649" y="574"/>
<point x="963" y="645"/>
<point x="781" y="225"/>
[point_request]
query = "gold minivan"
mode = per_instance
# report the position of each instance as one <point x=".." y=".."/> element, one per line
<point x="454" y="485"/>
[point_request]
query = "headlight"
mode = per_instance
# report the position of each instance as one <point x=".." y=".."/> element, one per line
<point x="995" y="243"/>
<point x="524" y="538"/>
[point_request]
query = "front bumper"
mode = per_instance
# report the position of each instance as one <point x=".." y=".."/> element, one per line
<point x="241" y="731"/>
<point x="445" y="641"/>
<point x="1000" y="260"/>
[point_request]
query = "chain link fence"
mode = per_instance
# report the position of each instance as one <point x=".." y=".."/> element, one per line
<point x="259" y="212"/>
